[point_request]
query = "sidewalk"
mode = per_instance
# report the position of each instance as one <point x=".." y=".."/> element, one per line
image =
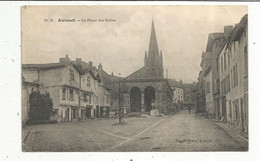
<point x="233" y="131"/>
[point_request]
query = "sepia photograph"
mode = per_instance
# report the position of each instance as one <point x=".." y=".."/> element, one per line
<point x="140" y="78"/>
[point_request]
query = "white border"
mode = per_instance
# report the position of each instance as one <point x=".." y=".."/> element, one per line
<point x="10" y="91"/>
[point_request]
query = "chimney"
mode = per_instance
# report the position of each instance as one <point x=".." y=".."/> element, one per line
<point x="78" y="62"/>
<point x="65" y="60"/>
<point x="99" y="66"/>
<point x="227" y="30"/>
<point x="90" y="65"/>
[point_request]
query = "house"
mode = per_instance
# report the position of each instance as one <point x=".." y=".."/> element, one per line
<point x="177" y="90"/>
<point x="215" y="44"/>
<point x="208" y="91"/>
<point x="88" y="85"/>
<point x="62" y="81"/>
<point x="233" y="63"/>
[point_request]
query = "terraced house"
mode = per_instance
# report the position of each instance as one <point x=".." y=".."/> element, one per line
<point x="233" y="63"/>
<point x="74" y="92"/>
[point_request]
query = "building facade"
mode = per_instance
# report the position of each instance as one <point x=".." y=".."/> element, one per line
<point x="147" y="88"/>
<point x="178" y="96"/>
<point x="76" y="93"/>
<point x="233" y="63"/>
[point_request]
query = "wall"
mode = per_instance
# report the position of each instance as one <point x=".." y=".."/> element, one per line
<point x="237" y="97"/>
<point x="209" y="94"/>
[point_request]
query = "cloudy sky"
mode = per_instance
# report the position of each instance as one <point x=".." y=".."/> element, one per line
<point x="182" y="33"/>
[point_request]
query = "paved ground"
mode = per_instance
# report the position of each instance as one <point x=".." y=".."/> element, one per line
<point x="179" y="132"/>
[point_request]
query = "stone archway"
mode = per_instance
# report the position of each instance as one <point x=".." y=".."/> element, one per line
<point x="135" y="99"/>
<point x="149" y="95"/>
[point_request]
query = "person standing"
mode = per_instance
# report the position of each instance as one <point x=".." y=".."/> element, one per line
<point x="189" y="108"/>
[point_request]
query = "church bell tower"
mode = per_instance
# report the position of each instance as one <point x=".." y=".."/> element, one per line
<point x="154" y="61"/>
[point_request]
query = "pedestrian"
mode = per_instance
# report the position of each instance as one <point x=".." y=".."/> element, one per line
<point x="189" y="108"/>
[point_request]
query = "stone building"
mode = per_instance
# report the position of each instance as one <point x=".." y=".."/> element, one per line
<point x="147" y="88"/>
<point x="215" y="44"/>
<point x="62" y="81"/>
<point x="233" y="64"/>
<point x="76" y="93"/>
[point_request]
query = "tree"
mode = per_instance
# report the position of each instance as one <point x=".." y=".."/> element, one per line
<point x="41" y="106"/>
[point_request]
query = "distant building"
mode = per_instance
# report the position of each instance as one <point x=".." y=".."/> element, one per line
<point x="177" y="90"/>
<point x="189" y="95"/>
<point x="215" y="44"/>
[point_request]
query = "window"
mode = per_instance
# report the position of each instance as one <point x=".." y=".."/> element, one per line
<point x="221" y="64"/>
<point x="217" y="63"/>
<point x="90" y="99"/>
<point x="64" y="93"/>
<point x="246" y="60"/>
<point x="217" y="85"/>
<point x="228" y="58"/>
<point x="88" y="81"/>
<point x="71" y="74"/>
<point x="225" y="61"/>
<point x="71" y="94"/>
<point x="85" y="97"/>
<point x="107" y="98"/>
<point x="208" y="87"/>
<point x="74" y="113"/>
<point x="228" y="83"/>
<point x="231" y="79"/>
<point x="236" y="75"/>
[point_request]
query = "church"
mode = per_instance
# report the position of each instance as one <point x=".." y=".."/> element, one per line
<point x="146" y="88"/>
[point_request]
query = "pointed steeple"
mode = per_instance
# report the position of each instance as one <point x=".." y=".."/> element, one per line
<point x="153" y="52"/>
<point x="145" y="58"/>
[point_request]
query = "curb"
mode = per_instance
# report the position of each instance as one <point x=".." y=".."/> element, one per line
<point x="232" y="131"/>
<point x="26" y="136"/>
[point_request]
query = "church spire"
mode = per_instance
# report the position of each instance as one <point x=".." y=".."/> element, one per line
<point x="153" y="52"/>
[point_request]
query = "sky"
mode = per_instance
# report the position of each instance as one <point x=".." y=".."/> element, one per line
<point x="182" y="33"/>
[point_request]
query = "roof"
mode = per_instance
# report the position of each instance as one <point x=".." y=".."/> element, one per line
<point x="174" y="83"/>
<point x="43" y="66"/>
<point x="207" y="71"/>
<point x="213" y="37"/>
<point x="47" y="66"/>
<point x="88" y="71"/>
<point x="137" y="74"/>
<point x="238" y="30"/>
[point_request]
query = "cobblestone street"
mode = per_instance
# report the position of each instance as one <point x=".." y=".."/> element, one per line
<point x="179" y="132"/>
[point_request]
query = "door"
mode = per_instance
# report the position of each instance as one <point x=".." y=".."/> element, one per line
<point x="68" y="114"/>
<point x="224" y="107"/>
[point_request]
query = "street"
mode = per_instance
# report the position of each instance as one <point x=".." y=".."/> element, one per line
<point x="178" y="132"/>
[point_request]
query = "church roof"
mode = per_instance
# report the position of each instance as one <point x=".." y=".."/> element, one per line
<point x="140" y="73"/>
